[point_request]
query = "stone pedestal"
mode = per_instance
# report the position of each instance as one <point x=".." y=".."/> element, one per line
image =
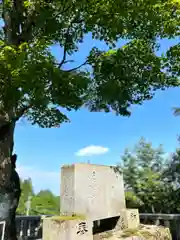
<point x="67" y="228"/>
<point x="129" y="219"/>
<point x="96" y="191"/>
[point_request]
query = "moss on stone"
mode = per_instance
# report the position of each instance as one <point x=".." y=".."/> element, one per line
<point x="63" y="218"/>
<point x="108" y="235"/>
<point x="130" y="232"/>
<point x="147" y="232"/>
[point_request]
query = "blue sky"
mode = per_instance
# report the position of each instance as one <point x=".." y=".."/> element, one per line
<point x="41" y="152"/>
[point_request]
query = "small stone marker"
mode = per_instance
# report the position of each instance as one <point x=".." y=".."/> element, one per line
<point x="96" y="191"/>
<point x="129" y="218"/>
<point x="70" y="228"/>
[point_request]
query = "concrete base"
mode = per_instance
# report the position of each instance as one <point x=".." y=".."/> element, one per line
<point x="67" y="228"/>
<point x="129" y="218"/>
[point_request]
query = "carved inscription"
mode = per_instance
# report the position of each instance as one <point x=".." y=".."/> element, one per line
<point x="122" y="223"/>
<point x="133" y="216"/>
<point x="82" y="228"/>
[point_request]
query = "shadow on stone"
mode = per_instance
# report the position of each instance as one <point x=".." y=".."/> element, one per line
<point x="104" y="225"/>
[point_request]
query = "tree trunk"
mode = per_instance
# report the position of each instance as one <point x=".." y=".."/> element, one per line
<point x="8" y="199"/>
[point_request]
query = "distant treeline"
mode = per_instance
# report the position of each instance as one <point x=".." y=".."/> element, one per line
<point x="44" y="202"/>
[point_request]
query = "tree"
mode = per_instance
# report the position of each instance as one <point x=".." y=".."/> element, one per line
<point x="151" y="180"/>
<point x="172" y="178"/>
<point x="45" y="203"/>
<point x="26" y="192"/>
<point x="33" y="84"/>
<point x="143" y="171"/>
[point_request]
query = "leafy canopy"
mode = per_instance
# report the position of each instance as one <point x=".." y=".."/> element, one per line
<point x="34" y="84"/>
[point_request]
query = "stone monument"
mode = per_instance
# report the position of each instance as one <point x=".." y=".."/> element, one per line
<point x="88" y="193"/>
<point x="95" y="191"/>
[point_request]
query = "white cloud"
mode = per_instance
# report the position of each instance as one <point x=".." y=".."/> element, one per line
<point x="92" y="150"/>
<point x="41" y="179"/>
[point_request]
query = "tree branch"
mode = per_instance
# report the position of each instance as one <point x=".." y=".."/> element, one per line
<point x="65" y="49"/>
<point x="76" y="68"/>
<point x="65" y="45"/>
<point x="22" y="111"/>
<point x="67" y="38"/>
<point x="69" y="61"/>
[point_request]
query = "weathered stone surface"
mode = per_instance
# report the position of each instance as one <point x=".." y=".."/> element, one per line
<point x="96" y="191"/>
<point x="67" y="227"/>
<point x="143" y="232"/>
<point x="129" y="218"/>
